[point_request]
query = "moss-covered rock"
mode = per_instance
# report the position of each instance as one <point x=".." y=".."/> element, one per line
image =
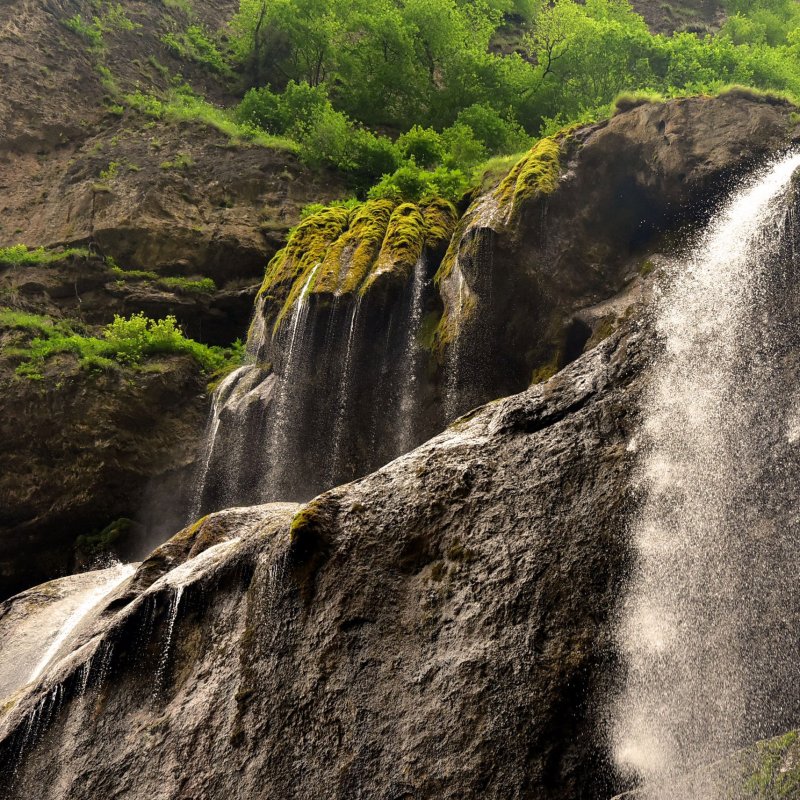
<point x="352" y="249"/>
<point x="306" y="248"/>
<point x="535" y="174"/>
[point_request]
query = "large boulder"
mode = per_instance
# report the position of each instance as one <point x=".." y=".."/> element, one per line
<point x="440" y="628"/>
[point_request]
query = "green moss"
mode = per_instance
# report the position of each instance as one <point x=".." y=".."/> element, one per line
<point x="775" y="772"/>
<point x="98" y="544"/>
<point x="179" y="285"/>
<point x="607" y="326"/>
<point x="402" y="245"/>
<point x="457" y="552"/>
<point x="21" y="255"/>
<point x="535" y="174"/>
<point x="349" y="260"/>
<point x="353" y="245"/>
<point x="625" y="101"/>
<point x="647" y="267"/>
<point x="440" y="218"/>
<point x="543" y="373"/>
<point x="306" y="248"/>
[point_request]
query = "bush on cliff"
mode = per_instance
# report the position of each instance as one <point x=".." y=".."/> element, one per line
<point x="126" y="341"/>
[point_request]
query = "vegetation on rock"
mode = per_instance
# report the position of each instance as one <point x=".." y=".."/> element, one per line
<point x="127" y="341"/>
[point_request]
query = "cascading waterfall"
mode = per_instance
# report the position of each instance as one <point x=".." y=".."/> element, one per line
<point x="174" y="607"/>
<point x="409" y="366"/>
<point x="220" y="398"/>
<point x="709" y="631"/>
<point x="282" y="420"/>
<point x="343" y="395"/>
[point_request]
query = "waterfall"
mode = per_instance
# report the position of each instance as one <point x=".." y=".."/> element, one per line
<point x="409" y="365"/>
<point x="345" y="382"/>
<point x="163" y="662"/>
<point x="709" y="629"/>
<point x="284" y="420"/>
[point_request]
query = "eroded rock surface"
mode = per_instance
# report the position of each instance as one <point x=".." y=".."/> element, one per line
<point x="437" y="629"/>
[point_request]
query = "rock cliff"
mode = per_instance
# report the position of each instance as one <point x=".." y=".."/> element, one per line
<point x="439" y="628"/>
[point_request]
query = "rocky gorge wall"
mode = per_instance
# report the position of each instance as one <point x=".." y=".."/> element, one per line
<point x="438" y="628"/>
<point x="379" y="324"/>
<point x="443" y="627"/>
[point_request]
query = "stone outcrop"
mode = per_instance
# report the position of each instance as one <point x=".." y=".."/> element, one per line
<point x="81" y="450"/>
<point x="439" y="628"/>
<point x="363" y="355"/>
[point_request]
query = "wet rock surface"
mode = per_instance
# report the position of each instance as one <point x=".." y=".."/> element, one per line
<point x="437" y="629"/>
<point x="82" y="449"/>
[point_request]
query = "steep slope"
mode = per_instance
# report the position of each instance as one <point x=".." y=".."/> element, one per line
<point x="439" y="628"/>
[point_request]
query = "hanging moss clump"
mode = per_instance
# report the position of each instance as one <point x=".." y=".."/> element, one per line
<point x="350" y="258"/>
<point x="402" y="245"/>
<point x="306" y="248"/>
<point x="535" y="174"/>
<point x="440" y="218"/>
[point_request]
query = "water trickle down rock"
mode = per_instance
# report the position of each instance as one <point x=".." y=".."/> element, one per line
<point x="340" y="397"/>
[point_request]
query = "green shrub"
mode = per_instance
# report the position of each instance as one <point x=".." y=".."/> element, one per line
<point x="263" y="109"/>
<point x="90" y="31"/>
<point x="126" y="341"/>
<point x="423" y="145"/>
<point x="463" y="149"/>
<point x="411" y="183"/>
<point x="196" y="44"/>
<point x="497" y="134"/>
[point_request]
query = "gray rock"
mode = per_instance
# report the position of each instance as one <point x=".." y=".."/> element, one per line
<point x="436" y="629"/>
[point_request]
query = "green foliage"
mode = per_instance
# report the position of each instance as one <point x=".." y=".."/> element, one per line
<point x="496" y="133"/>
<point x="126" y="341"/>
<point x="181" y="161"/>
<point x="111" y="17"/>
<point x="20" y="255"/>
<point x="196" y="44"/>
<point x="411" y="183"/>
<point x="88" y="30"/>
<point x="173" y="284"/>
<point x="95" y="545"/>
<point x="182" y="105"/>
<point x="423" y="66"/>
<point x="423" y="145"/>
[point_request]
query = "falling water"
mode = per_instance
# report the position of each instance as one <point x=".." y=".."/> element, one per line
<point x="409" y="371"/>
<point x="116" y="576"/>
<point x="174" y="607"/>
<point x="220" y="398"/>
<point x="710" y="628"/>
<point x="345" y="383"/>
<point x="452" y="405"/>
<point x="282" y="419"/>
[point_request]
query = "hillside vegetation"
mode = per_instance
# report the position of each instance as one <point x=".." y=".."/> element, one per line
<point x="414" y="90"/>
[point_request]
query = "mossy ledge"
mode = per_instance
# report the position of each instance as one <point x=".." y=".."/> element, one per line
<point x="352" y="247"/>
<point x="536" y="174"/>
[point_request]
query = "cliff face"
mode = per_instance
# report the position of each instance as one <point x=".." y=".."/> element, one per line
<point x="438" y="628"/>
<point x="378" y="325"/>
<point x="170" y="216"/>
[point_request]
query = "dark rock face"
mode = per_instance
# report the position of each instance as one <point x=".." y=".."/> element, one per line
<point x="626" y="185"/>
<point x="81" y="450"/>
<point x="522" y="290"/>
<point x="437" y="629"/>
